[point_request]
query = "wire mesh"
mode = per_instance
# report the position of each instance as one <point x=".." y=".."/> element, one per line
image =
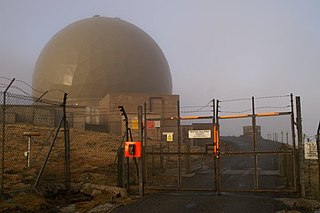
<point x="33" y="144"/>
<point x="94" y="147"/>
<point x="27" y="129"/>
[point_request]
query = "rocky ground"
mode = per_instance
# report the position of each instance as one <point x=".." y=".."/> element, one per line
<point x="87" y="198"/>
<point x="92" y="190"/>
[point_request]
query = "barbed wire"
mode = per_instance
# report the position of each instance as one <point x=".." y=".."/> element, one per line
<point x="23" y="82"/>
<point x="232" y="100"/>
<point x="262" y="107"/>
<point x="275" y="96"/>
<point x="3" y="85"/>
<point x="235" y="112"/>
<point x="262" y="97"/>
<point x="34" y="89"/>
<point x="183" y="112"/>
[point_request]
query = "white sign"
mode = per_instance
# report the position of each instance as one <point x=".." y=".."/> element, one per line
<point x="157" y="124"/>
<point x="199" y="133"/>
<point x="310" y="150"/>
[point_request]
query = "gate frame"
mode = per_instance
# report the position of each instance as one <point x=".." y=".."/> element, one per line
<point x="215" y="124"/>
<point x="256" y="153"/>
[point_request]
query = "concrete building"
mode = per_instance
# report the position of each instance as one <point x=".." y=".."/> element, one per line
<point x="247" y="131"/>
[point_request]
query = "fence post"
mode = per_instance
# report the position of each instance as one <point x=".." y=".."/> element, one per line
<point x="300" y="147"/>
<point x="123" y="177"/>
<point x="254" y="139"/>
<point x="293" y="136"/>
<point x="318" y="150"/>
<point x="217" y="157"/>
<point x="144" y="146"/>
<point x="179" y="147"/>
<point x="141" y="172"/>
<point x="66" y="144"/>
<point x="4" y="133"/>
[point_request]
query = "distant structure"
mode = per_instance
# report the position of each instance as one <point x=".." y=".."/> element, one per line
<point x="247" y="131"/>
<point x="102" y="63"/>
<point x="95" y="56"/>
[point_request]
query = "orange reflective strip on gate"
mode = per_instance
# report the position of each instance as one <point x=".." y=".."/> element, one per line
<point x="216" y="140"/>
<point x="267" y="114"/>
<point x="234" y="116"/>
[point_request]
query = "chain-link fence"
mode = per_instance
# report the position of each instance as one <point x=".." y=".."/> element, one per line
<point x="94" y="146"/>
<point x="48" y="145"/>
<point x="27" y="130"/>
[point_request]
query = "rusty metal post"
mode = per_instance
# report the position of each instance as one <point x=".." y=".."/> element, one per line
<point x="179" y="147"/>
<point x="144" y="145"/>
<point x="254" y="140"/>
<point x="4" y="133"/>
<point x="293" y="137"/>
<point x="300" y="147"/>
<point x="140" y="123"/>
<point x="66" y="144"/>
<point x="218" y="177"/>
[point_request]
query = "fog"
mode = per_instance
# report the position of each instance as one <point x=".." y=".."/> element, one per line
<point x="215" y="49"/>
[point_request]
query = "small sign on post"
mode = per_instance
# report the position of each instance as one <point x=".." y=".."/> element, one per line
<point x="27" y="154"/>
<point x="310" y="150"/>
<point x="134" y="124"/>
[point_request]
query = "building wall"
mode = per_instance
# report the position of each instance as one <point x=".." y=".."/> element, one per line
<point x="247" y="131"/>
<point x="161" y="106"/>
<point x="102" y="115"/>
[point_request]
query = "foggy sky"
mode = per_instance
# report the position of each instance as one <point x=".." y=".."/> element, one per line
<point x="215" y="49"/>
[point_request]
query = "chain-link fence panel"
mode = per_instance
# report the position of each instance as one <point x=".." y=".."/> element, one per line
<point x="94" y="142"/>
<point x="257" y="147"/>
<point x="27" y="127"/>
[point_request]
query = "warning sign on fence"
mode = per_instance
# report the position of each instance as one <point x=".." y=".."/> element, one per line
<point x="310" y="150"/>
<point x="199" y="133"/>
<point x="169" y="136"/>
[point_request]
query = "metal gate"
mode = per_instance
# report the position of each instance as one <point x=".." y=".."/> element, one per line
<point x="174" y="160"/>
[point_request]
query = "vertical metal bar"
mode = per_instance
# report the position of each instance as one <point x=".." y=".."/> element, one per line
<point x="179" y="146"/>
<point x="4" y="133"/>
<point x="29" y="152"/>
<point x="127" y="159"/>
<point x="66" y="144"/>
<point x="145" y="158"/>
<point x="300" y="147"/>
<point x="218" y="177"/>
<point x="141" y="187"/>
<point x="318" y="150"/>
<point x="3" y="140"/>
<point x="254" y="140"/>
<point x="293" y="136"/>
<point x="215" y="159"/>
